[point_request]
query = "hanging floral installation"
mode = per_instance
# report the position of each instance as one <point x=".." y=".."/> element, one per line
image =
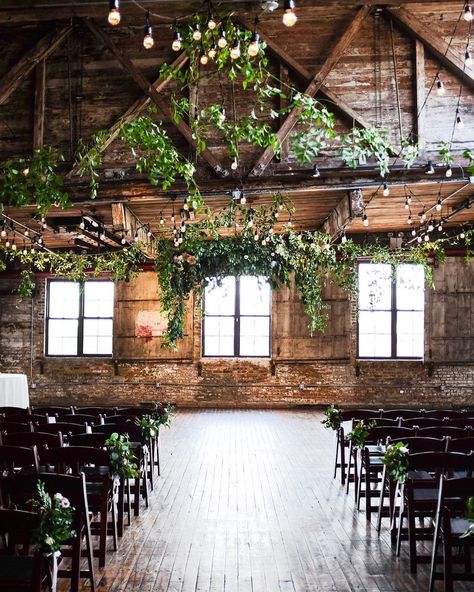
<point x="240" y="239"/>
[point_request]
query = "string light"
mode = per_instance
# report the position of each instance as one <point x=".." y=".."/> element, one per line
<point x="429" y="169"/>
<point x="440" y="226"/>
<point x="365" y="219"/>
<point x="211" y="23"/>
<point x="431" y="225"/>
<point x="463" y="234"/>
<point x="459" y="121"/>
<point x="222" y="41"/>
<point x="7" y="242"/>
<point x="135" y="238"/>
<point x="14" y="245"/>
<point x="148" y="41"/>
<point x="176" y="45"/>
<point x="440" y="89"/>
<point x="82" y="225"/>
<point x="468" y="58"/>
<point x="410" y="220"/>
<point x="407" y="204"/>
<point x="427" y="238"/>
<point x="222" y="115"/>
<point x="212" y="51"/>
<point x="235" y="49"/>
<point x="197" y="35"/>
<point x="449" y="171"/>
<point x="204" y="59"/>
<point x="419" y="239"/>
<point x="235" y="165"/>
<point x="114" y="13"/>
<point x="386" y="190"/>
<point x="344" y="238"/>
<point x="254" y="45"/>
<point x="289" y="16"/>
<point x="468" y="16"/>
<point x="162" y="220"/>
<point x="413" y="232"/>
<point x="123" y="240"/>
<point x="316" y="171"/>
<point x="439" y="204"/>
<point x="422" y="216"/>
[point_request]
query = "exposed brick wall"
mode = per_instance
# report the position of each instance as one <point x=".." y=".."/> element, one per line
<point x="304" y="370"/>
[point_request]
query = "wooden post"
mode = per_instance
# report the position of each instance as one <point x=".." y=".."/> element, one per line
<point x="40" y="104"/>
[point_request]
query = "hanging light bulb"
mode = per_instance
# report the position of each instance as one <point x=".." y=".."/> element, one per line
<point x="182" y="227"/>
<point x="197" y="33"/>
<point x="222" y="115"/>
<point x="254" y="45"/>
<point x="211" y="23"/>
<point x="407" y="204"/>
<point x="235" y="49"/>
<point x="365" y="219"/>
<point x="204" y="59"/>
<point x="344" y="238"/>
<point x="235" y="164"/>
<point x="289" y="223"/>
<point x="7" y="243"/>
<point x="176" y="45"/>
<point x="410" y="220"/>
<point x="149" y="232"/>
<point x="212" y="51"/>
<point x="25" y="250"/>
<point x="427" y="238"/>
<point x="468" y="58"/>
<point x="422" y="216"/>
<point x="256" y="236"/>
<point x="289" y="16"/>
<point x="162" y="220"/>
<point x="440" y="89"/>
<point x="316" y="172"/>
<point x="148" y="41"/>
<point x="82" y="225"/>
<point x="409" y="199"/>
<point x="429" y="169"/>
<point x="386" y="190"/>
<point x="175" y="230"/>
<point x="243" y="199"/>
<point x="14" y="245"/>
<point x="250" y="222"/>
<point x="439" y="204"/>
<point x="27" y="232"/>
<point x="459" y="122"/>
<point x="114" y="13"/>
<point x="180" y="240"/>
<point x="135" y="238"/>
<point x="419" y="239"/>
<point x="463" y="234"/>
<point x="123" y="240"/>
<point x="413" y="232"/>
<point x="430" y="225"/>
<point x="222" y="41"/>
<point x="440" y="226"/>
<point x="3" y="233"/>
<point x="449" y="171"/>
<point x="468" y="16"/>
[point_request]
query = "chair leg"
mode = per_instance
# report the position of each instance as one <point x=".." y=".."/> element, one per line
<point x="448" y="564"/>
<point x="400" y="520"/>
<point x="103" y="532"/>
<point x="337" y="456"/>
<point x="349" y="466"/>
<point x="412" y="539"/>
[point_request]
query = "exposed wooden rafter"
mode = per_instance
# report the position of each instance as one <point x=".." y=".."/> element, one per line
<point x="135" y="110"/>
<point x="154" y="95"/>
<point x="284" y="57"/>
<point x="434" y="41"/>
<point x="420" y="93"/>
<point x="40" y="104"/>
<point x="339" y="218"/>
<point x="45" y="47"/>
<point x="126" y="222"/>
<point x="315" y="85"/>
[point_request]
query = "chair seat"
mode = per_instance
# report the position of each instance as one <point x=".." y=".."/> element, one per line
<point x="418" y="475"/>
<point x="426" y="495"/>
<point x="459" y="526"/>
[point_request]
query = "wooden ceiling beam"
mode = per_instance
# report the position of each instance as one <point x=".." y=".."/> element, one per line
<point x="45" y="47"/>
<point x="340" y="218"/>
<point x="284" y="57"/>
<point x="134" y="110"/>
<point x="314" y="86"/>
<point x="155" y="96"/>
<point x="126" y="222"/>
<point x="433" y="41"/>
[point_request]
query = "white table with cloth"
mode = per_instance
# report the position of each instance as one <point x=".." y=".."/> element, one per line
<point x="14" y="390"/>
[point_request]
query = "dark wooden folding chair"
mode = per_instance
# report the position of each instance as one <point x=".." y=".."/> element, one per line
<point x="84" y="418"/>
<point x="5" y="411"/>
<point x="422" y="422"/>
<point x="14" y="459"/>
<point x="419" y="497"/>
<point x="465" y="445"/>
<point x="22" y="568"/>
<point x="100" y="487"/>
<point x="16" y="426"/>
<point x="41" y="440"/>
<point x="53" y="410"/>
<point x="36" y="418"/>
<point x="402" y="413"/>
<point x="96" y="411"/>
<point x="444" y="413"/>
<point x="442" y="431"/>
<point x="450" y="525"/>
<point x="18" y="490"/>
<point x="66" y="429"/>
<point x="135" y="411"/>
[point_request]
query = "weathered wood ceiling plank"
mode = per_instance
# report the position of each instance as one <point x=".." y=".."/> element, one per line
<point x="339" y="218"/>
<point x="420" y="94"/>
<point x="315" y="85"/>
<point x="434" y="41"/>
<point x="135" y="110"/>
<point x="40" y="105"/>
<point x="284" y="57"/>
<point x="45" y="47"/>
<point x="154" y="95"/>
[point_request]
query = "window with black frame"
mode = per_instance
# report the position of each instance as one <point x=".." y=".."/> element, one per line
<point x="391" y="311"/>
<point x="79" y="318"/>
<point x="237" y="317"/>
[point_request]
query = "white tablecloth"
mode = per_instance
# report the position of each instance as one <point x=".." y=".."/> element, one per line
<point x="14" y="390"/>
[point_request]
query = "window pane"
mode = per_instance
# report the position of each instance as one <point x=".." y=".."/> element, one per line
<point x="410" y="334"/>
<point x="255" y="295"/>
<point x="220" y="299"/>
<point x="62" y="337"/>
<point x="255" y="336"/>
<point x="97" y="336"/>
<point x="375" y="338"/>
<point x="375" y="286"/>
<point x="98" y="299"/>
<point x="410" y="287"/>
<point x="219" y="336"/>
<point x="63" y="300"/>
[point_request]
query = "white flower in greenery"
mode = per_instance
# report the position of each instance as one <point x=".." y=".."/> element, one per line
<point x="65" y="503"/>
<point x="403" y="450"/>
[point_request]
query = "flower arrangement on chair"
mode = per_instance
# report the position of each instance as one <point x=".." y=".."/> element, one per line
<point x="359" y="433"/>
<point x="121" y="456"/>
<point x="162" y="413"/>
<point x="469" y="516"/>
<point x="333" y="418"/>
<point x="396" y="461"/>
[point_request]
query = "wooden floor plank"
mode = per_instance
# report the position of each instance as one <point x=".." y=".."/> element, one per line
<point x="246" y="503"/>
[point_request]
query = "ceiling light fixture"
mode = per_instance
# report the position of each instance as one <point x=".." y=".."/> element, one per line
<point x="148" y="41"/>
<point x="316" y="171"/>
<point x="386" y="190"/>
<point x="114" y="13"/>
<point x="429" y="169"/>
<point x="289" y="16"/>
<point x="440" y="89"/>
<point x="468" y="16"/>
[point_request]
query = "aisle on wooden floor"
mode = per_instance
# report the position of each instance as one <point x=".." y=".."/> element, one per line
<point x="246" y="502"/>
